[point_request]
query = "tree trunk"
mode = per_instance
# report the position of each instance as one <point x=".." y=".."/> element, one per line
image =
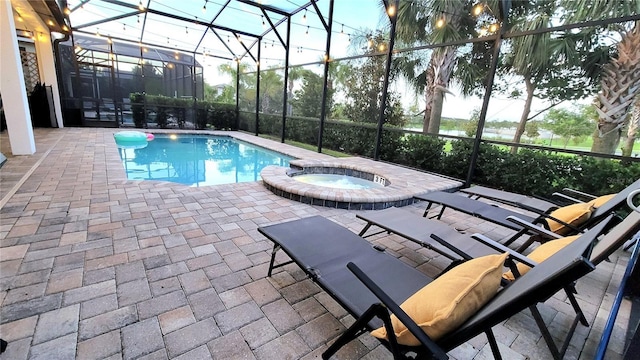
<point x="436" y="111"/>
<point x="441" y="66"/>
<point x="428" y="97"/>
<point x="606" y="138"/>
<point x="524" y="117"/>
<point x="632" y="130"/>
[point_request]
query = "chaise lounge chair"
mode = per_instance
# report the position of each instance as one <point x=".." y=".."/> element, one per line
<point x="369" y="283"/>
<point x="523" y="201"/>
<point x="517" y="221"/>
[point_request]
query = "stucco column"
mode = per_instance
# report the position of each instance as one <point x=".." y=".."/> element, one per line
<point x="14" y="93"/>
<point x="47" y="69"/>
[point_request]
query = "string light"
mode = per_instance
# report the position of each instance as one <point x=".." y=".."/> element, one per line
<point x="138" y="18"/>
<point x="304" y="17"/>
<point x="167" y="39"/>
<point x="67" y="11"/>
<point x="124" y="27"/>
<point x="263" y="23"/>
<point x="98" y="32"/>
<point x="140" y="6"/>
<point x="342" y="30"/>
<point x="391" y="10"/>
<point x="204" y="7"/>
<point x="477" y="10"/>
<point x="228" y="38"/>
<point x="50" y="22"/>
<point x="65" y="28"/>
<point x="186" y="30"/>
<point x="307" y="32"/>
<point x="349" y="38"/>
<point x="440" y="23"/>
<point x="493" y="27"/>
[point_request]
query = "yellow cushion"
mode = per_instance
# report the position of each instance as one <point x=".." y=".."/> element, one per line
<point x="541" y="253"/>
<point x="574" y="214"/>
<point x="597" y="202"/>
<point x="449" y="300"/>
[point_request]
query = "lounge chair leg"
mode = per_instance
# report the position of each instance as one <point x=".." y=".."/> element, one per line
<point x="493" y="344"/>
<point x="364" y="230"/>
<point x="553" y="348"/>
<point x="375" y="310"/>
<point x="276" y="247"/>
<point x="570" y="290"/>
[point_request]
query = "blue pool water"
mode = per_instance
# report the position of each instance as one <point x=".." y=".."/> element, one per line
<point x="198" y="160"/>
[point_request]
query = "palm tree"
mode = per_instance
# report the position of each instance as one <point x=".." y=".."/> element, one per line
<point x="620" y="86"/>
<point x="620" y="79"/>
<point x="632" y="129"/>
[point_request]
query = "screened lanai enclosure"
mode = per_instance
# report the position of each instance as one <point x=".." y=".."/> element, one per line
<point x="442" y="86"/>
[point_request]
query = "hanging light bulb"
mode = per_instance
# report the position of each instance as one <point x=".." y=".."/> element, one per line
<point x="67" y="11"/>
<point x="98" y="32"/>
<point x="477" y="10"/>
<point x="494" y="27"/>
<point x="204" y="7"/>
<point x="65" y="28"/>
<point x="369" y="42"/>
<point x="124" y="27"/>
<point x="140" y="6"/>
<point x="342" y="30"/>
<point x="391" y="10"/>
<point x="381" y="47"/>
<point x="440" y="23"/>
<point x="186" y="30"/>
<point x="307" y="32"/>
<point x="50" y="23"/>
<point x="167" y="39"/>
<point x="239" y="39"/>
<point x="228" y="38"/>
<point x="138" y="18"/>
<point x="349" y="38"/>
<point x="263" y="23"/>
<point x="304" y="17"/>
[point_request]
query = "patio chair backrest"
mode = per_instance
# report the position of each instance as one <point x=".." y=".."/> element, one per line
<point x="620" y="234"/>
<point x="615" y="202"/>
<point x="541" y="282"/>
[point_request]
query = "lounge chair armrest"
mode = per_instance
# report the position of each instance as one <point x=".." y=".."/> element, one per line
<point x="534" y="228"/>
<point x="567" y="198"/>
<point x="584" y="194"/>
<point x="446" y="244"/>
<point x="501" y="248"/>
<point x="436" y="351"/>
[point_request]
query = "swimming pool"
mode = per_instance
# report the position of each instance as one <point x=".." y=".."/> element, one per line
<point x="198" y="160"/>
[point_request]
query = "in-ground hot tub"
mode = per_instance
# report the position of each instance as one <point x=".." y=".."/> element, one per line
<point x="339" y="184"/>
<point x="338" y="177"/>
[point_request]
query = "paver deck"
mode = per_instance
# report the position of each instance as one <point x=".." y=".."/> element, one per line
<point x="94" y="266"/>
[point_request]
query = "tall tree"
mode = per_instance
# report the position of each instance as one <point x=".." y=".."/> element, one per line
<point x="308" y="100"/>
<point x="437" y="22"/>
<point x="620" y="78"/>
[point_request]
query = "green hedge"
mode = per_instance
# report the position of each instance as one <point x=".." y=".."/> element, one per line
<point x="532" y="172"/>
<point x="207" y="114"/>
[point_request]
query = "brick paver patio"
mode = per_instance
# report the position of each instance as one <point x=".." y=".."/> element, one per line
<point x="94" y="266"/>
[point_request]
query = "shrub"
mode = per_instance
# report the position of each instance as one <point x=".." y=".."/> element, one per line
<point x="137" y="110"/>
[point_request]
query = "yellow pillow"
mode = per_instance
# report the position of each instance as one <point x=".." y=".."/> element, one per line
<point x="597" y="202"/>
<point x="574" y="214"/>
<point x="449" y="300"/>
<point x="541" y="253"/>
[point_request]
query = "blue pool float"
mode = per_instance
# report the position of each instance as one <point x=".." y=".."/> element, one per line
<point x="131" y="139"/>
